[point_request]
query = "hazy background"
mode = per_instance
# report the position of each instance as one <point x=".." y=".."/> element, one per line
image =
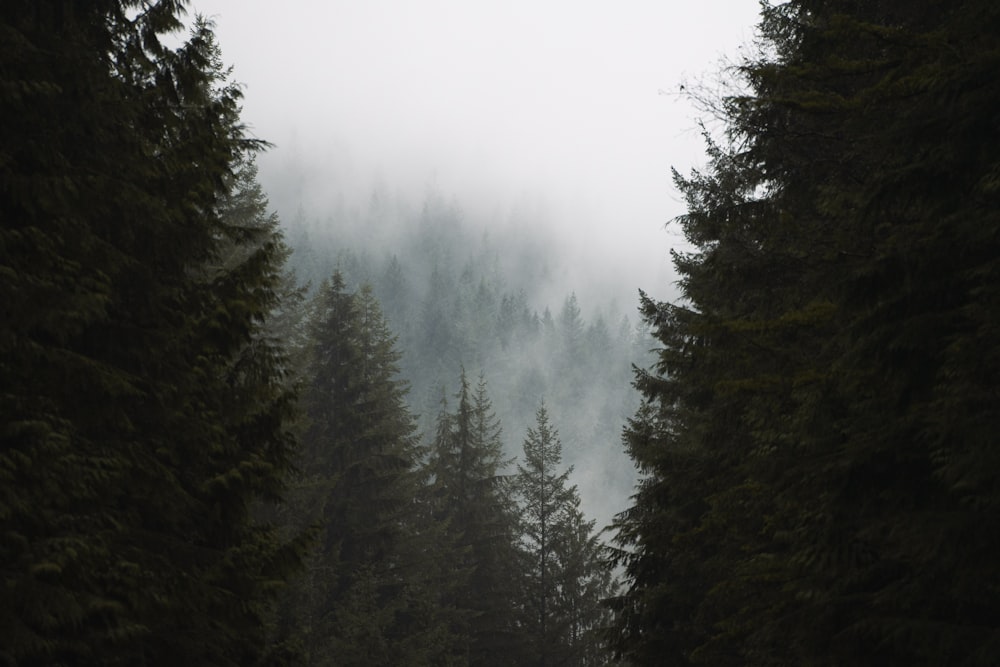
<point x="571" y="106"/>
<point x="553" y="123"/>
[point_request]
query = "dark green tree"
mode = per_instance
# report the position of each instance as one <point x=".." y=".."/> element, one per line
<point x="545" y="501"/>
<point x="255" y="235"/>
<point x="473" y="501"/>
<point x="564" y="576"/>
<point x="818" y="485"/>
<point x="144" y="407"/>
<point x="365" y="598"/>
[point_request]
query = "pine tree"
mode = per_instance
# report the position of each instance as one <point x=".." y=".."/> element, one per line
<point x="365" y="598"/>
<point x="473" y="501"/>
<point x="817" y="485"/>
<point x="565" y="579"/>
<point x="144" y="409"/>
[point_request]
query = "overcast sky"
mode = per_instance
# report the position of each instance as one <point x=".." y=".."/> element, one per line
<point x="488" y="101"/>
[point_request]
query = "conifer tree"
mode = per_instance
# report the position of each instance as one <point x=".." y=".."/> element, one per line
<point x="474" y="503"/>
<point x="565" y="579"/>
<point x="818" y="487"/>
<point x="365" y="598"/>
<point x="144" y="409"/>
<point x="253" y="230"/>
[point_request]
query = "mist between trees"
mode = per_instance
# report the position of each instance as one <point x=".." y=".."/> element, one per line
<point x="204" y="461"/>
<point x="457" y="295"/>
<point x="432" y="525"/>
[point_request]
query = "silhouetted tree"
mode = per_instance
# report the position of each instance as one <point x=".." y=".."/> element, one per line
<point x="365" y="598"/>
<point x="819" y="480"/>
<point x="144" y="405"/>
<point x="474" y="502"/>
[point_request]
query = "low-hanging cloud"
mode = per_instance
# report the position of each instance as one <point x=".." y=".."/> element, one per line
<point x="491" y="103"/>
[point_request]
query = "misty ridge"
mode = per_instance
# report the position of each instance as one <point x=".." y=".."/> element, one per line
<point x="440" y="393"/>
<point x="491" y="299"/>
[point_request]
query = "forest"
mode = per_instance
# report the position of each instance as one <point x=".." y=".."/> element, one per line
<point x="228" y="438"/>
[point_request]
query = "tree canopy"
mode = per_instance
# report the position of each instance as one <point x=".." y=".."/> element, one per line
<point x="143" y="406"/>
<point x="819" y="484"/>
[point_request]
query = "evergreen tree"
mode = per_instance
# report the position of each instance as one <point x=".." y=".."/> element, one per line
<point x="144" y="407"/>
<point x="473" y="501"/>
<point x="564" y="576"/>
<point x="365" y="599"/>
<point x="818" y="484"/>
<point x="586" y="582"/>
<point x="448" y="298"/>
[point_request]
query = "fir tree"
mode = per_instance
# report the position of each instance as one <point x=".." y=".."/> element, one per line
<point x="565" y="579"/>
<point x="144" y="407"/>
<point x="473" y="501"/>
<point x="365" y="598"/>
<point x="818" y="487"/>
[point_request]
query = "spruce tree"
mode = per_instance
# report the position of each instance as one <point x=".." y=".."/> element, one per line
<point x="473" y="501"/>
<point x="144" y="409"/>
<point x="564" y="576"/>
<point x="365" y="598"/>
<point x="818" y="488"/>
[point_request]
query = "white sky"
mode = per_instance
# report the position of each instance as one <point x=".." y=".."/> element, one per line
<point x="488" y="101"/>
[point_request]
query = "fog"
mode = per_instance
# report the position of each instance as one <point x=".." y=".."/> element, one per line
<point x="554" y="119"/>
<point x="573" y="104"/>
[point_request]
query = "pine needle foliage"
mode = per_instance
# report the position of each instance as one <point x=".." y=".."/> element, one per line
<point x="367" y="595"/>
<point x="819" y="480"/>
<point x="143" y="409"/>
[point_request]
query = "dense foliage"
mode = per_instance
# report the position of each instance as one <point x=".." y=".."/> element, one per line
<point x="817" y="442"/>
<point x="182" y="430"/>
<point x="201" y="466"/>
<point x="486" y="301"/>
<point x="143" y="405"/>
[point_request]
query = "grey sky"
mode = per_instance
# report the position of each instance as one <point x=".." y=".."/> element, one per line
<point x="488" y="102"/>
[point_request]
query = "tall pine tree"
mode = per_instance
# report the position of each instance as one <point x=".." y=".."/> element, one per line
<point x="564" y="576"/>
<point x="473" y="500"/>
<point x="366" y="597"/>
<point x="818" y="484"/>
<point x="143" y="407"/>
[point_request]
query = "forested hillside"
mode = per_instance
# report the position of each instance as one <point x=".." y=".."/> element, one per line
<point x="202" y="462"/>
<point x="458" y="296"/>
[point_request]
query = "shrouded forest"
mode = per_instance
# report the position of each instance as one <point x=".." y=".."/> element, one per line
<point x="461" y="298"/>
<point x="375" y="446"/>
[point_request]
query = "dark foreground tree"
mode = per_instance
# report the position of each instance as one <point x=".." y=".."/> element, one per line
<point x="142" y="408"/>
<point x="820" y="482"/>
